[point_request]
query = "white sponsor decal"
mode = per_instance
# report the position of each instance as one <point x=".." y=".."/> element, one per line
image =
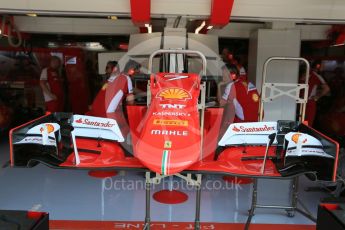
<point x="96" y="127"/>
<point x="46" y="130"/>
<point x="36" y="140"/>
<point x="295" y="138"/>
<point x="307" y="152"/>
<point x="248" y="133"/>
<point x="49" y="128"/>
<point x="170" y="113"/>
<point x="169" y="132"/>
<point x="172" y="106"/>
<point x="176" y="114"/>
<point x="253" y="129"/>
<point x="96" y="123"/>
<point x="298" y="140"/>
<point x="161" y="226"/>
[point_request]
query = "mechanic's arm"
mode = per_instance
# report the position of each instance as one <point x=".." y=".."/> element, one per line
<point x="222" y="102"/>
<point x="130" y="99"/>
<point x="223" y="97"/>
<point x="323" y="90"/>
<point x="45" y="89"/>
<point x="130" y="96"/>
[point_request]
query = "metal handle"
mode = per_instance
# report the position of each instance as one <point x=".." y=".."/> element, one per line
<point x="264" y="74"/>
<point x="198" y="53"/>
<point x="285" y="59"/>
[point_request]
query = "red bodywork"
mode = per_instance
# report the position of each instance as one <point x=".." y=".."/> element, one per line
<point x="170" y="138"/>
<point x="105" y="154"/>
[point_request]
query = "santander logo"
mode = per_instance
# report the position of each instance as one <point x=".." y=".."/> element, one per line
<point x="94" y="123"/>
<point x="235" y="129"/>
<point x="253" y="129"/>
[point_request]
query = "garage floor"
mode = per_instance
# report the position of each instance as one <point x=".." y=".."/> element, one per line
<point x="73" y="195"/>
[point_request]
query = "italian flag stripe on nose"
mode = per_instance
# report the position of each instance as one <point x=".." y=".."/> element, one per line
<point x="165" y="158"/>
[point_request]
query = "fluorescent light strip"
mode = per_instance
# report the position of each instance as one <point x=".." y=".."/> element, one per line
<point x="197" y="30"/>
<point x="338" y="45"/>
<point x="149" y="28"/>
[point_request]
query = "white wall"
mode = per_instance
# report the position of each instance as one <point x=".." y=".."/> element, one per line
<point x="266" y="10"/>
<point x="266" y="43"/>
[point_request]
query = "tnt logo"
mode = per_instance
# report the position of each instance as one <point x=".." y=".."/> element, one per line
<point x="172" y="106"/>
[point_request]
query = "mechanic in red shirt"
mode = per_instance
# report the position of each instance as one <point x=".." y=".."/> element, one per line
<point x="240" y="98"/>
<point x="108" y="101"/>
<point x="132" y="69"/>
<point x="230" y="58"/>
<point x="235" y="60"/>
<point x="317" y="89"/>
<point x="52" y="85"/>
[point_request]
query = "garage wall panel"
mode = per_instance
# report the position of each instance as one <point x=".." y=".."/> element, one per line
<point x="268" y="43"/>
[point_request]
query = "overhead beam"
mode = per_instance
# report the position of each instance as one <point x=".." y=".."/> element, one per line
<point x="243" y="30"/>
<point x="330" y="11"/>
<point x="87" y="26"/>
<point x="82" y="26"/>
<point x="314" y="32"/>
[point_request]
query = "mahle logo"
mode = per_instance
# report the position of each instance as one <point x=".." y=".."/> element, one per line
<point x="169" y="132"/>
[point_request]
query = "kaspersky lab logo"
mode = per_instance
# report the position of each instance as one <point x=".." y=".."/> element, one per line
<point x="174" y="94"/>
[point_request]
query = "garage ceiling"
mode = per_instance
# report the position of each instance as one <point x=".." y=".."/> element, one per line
<point x="330" y="11"/>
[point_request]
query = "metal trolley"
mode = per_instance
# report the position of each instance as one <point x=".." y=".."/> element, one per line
<point x="270" y="92"/>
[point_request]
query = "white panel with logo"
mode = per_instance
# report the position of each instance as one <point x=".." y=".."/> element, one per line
<point x="96" y="127"/>
<point x="248" y="133"/>
<point x="301" y="144"/>
<point x="43" y="134"/>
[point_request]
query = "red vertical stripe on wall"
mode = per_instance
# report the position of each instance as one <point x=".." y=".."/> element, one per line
<point x="140" y="11"/>
<point x="220" y="12"/>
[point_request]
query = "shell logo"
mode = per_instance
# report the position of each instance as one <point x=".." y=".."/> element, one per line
<point x="50" y="128"/>
<point x="295" y="138"/>
<point x="174" y="93"/>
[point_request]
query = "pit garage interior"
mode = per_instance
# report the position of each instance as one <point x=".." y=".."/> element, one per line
<point x="270" y="42"/>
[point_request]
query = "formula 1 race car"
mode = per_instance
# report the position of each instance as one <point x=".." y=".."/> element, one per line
<point x="176" y="135"/>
